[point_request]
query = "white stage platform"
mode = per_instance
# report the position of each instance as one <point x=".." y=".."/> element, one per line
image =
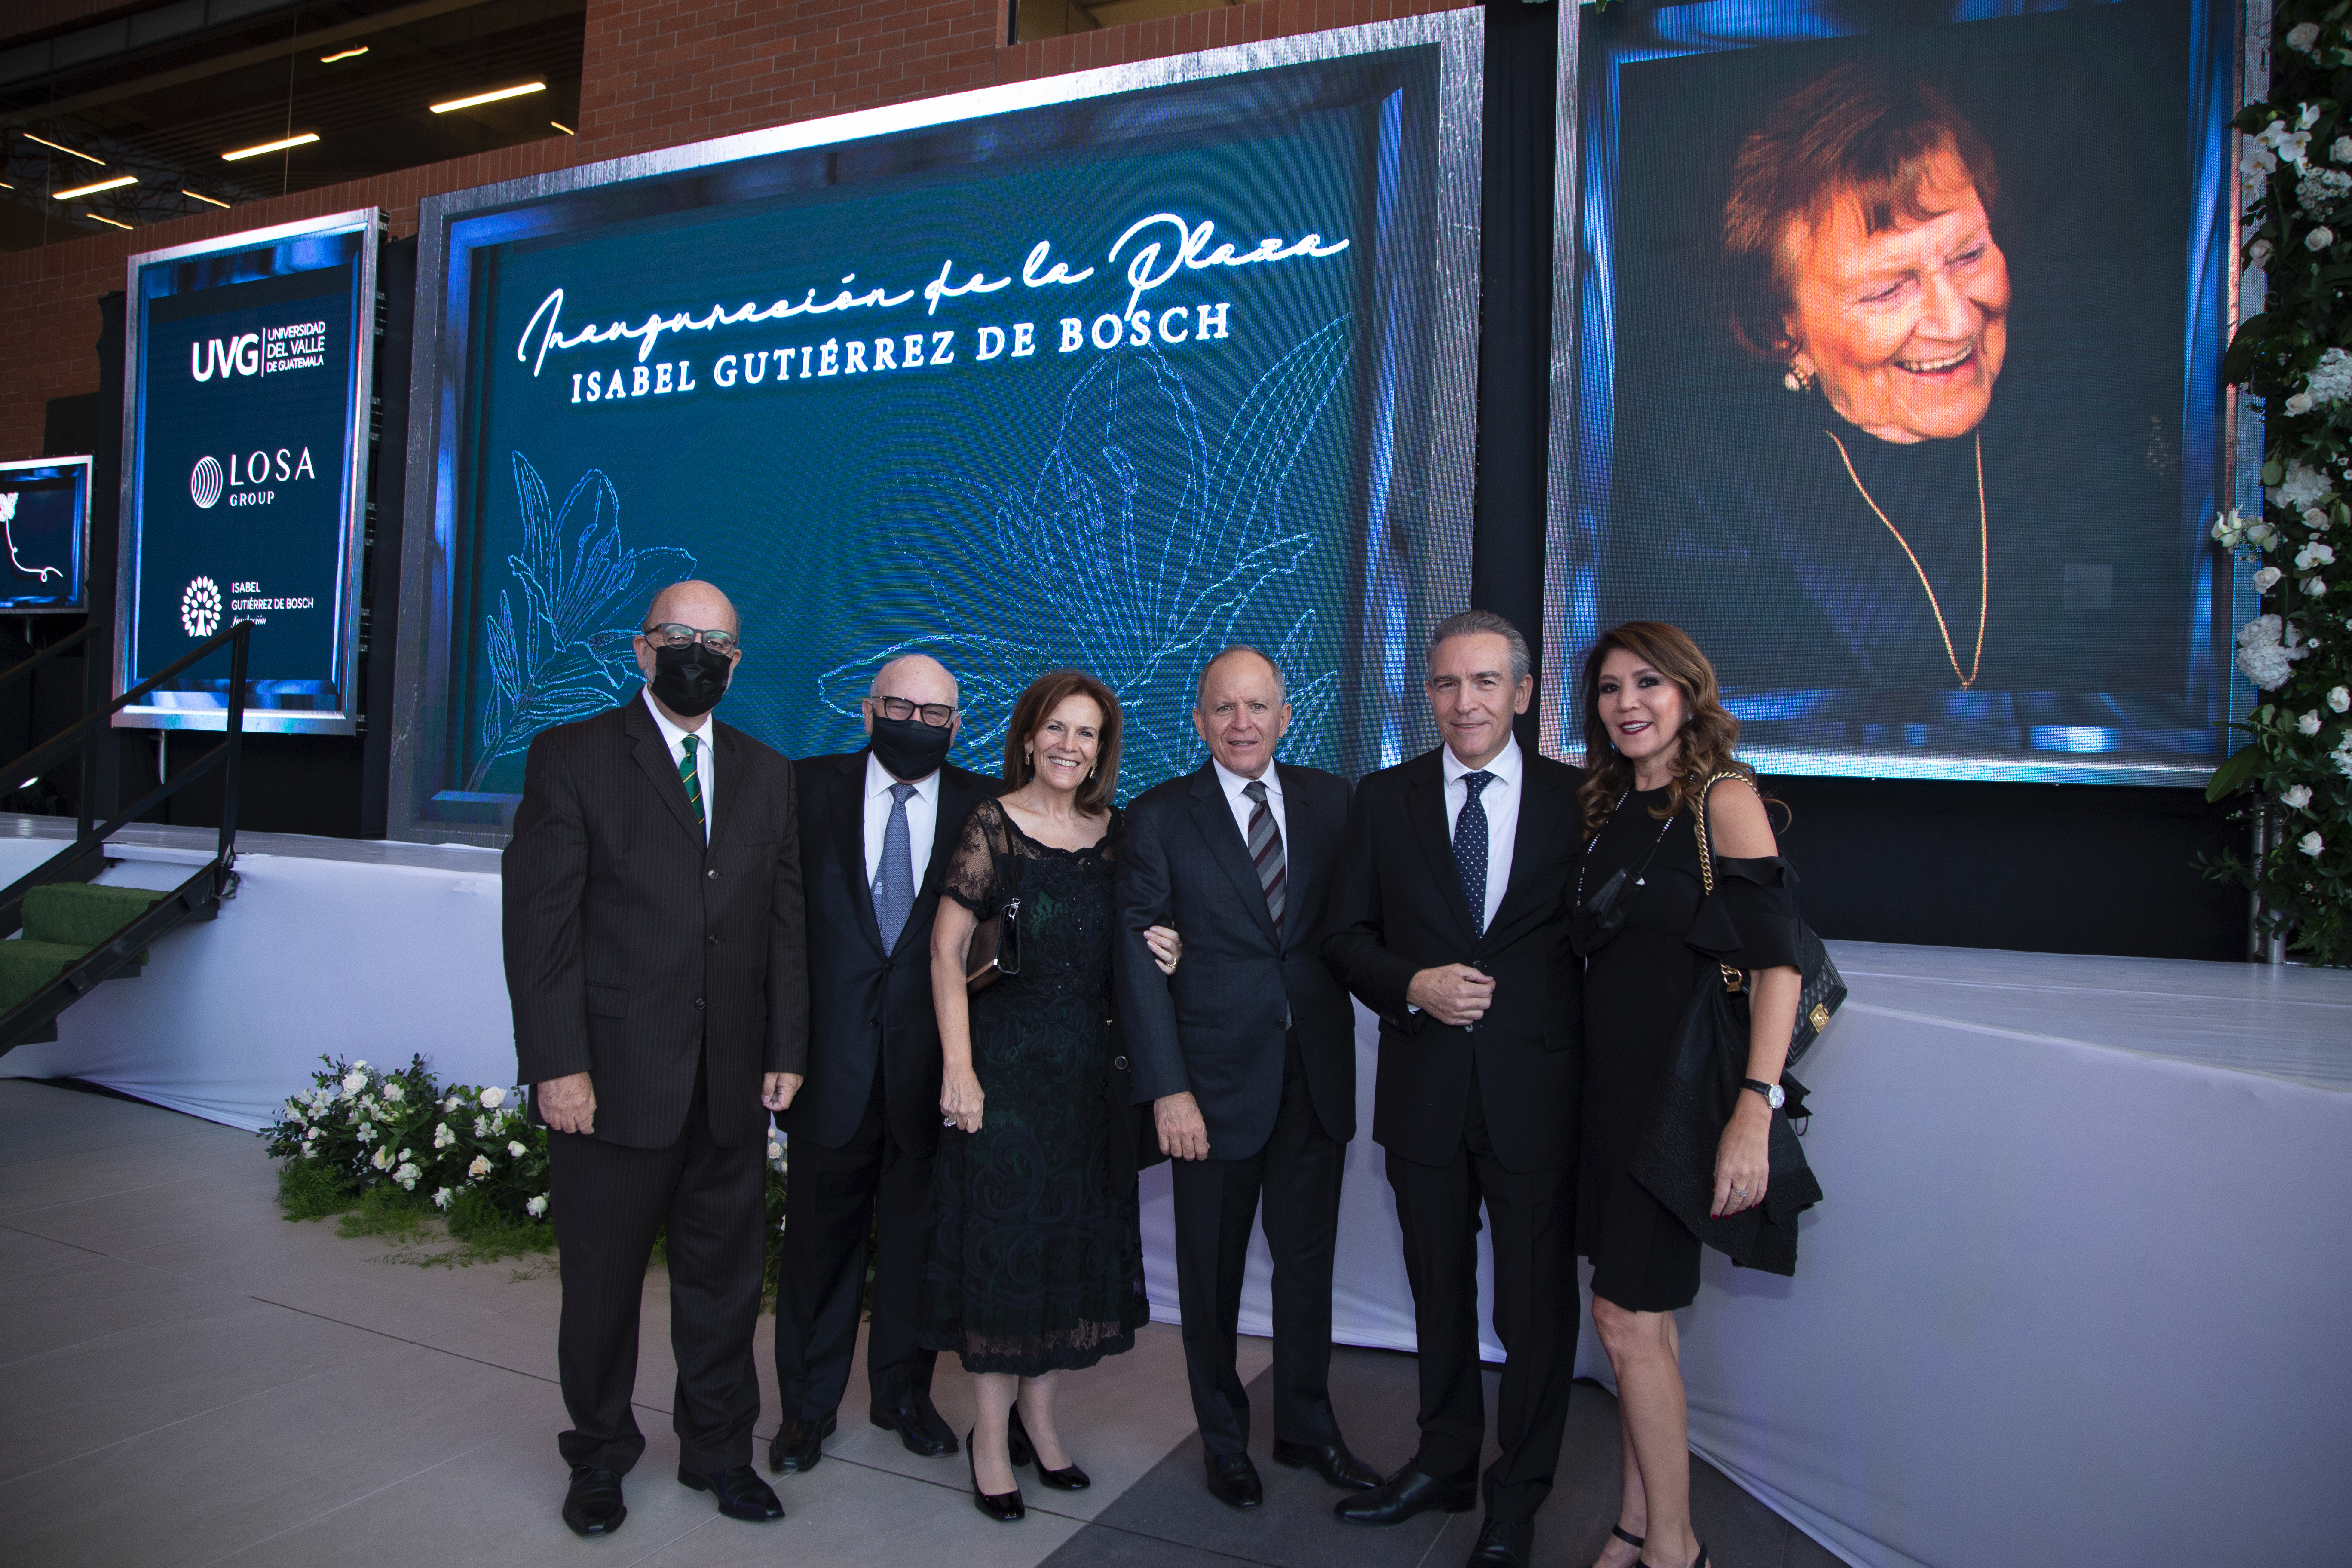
<point x="2074" y="1298"/>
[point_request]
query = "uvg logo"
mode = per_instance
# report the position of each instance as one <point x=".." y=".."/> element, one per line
<point x="239" y="355"/>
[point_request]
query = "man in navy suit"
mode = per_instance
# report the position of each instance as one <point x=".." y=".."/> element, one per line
<point x="1247" y="1056"/>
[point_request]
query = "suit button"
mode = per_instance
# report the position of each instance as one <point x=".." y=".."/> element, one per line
<point x="712" y="873"/>
<point x="1120" y="1062"/>
<point x="698" y="1004"/>
<point x="714" y="941"/>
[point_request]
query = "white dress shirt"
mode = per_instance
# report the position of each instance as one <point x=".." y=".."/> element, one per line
<point x="1501" y="799"/>
<point x="922" y="819"/>
<point x="1242" y="806"/>
<point x="706" y="766"/>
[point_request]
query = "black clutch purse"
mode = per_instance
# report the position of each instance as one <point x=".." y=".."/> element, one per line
<point x="995" y="950"/>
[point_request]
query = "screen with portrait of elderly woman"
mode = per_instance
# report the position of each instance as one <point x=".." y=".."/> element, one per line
<point x="1899" y="374"/>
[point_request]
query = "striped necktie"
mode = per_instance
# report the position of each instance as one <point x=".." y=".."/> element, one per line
<point x="1265" y="851"/>
<point x="691" y="777"/>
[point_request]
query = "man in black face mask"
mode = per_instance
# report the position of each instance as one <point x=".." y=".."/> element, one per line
<point x="656" y="963"/>
<point x="877" y="826"/>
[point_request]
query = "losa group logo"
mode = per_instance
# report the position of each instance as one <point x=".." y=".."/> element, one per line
<point x="200" y="606"/>
<point x="204" y="483"/>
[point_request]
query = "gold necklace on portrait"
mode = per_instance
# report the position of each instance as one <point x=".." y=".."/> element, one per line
<point x="1984" y="562"/>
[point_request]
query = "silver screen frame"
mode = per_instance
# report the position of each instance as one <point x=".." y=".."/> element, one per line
<point x="2239" y="458"/>
<point x="437" y="355"/>
<point x="358" y="419"/>
<point x="88" y="467"/>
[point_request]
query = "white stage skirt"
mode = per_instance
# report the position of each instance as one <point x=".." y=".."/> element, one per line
<point x="2076" y="1294"/>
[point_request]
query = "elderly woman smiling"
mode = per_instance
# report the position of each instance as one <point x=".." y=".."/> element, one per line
<point x="1871" y="521"/>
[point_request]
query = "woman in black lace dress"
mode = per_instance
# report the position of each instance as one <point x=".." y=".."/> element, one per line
<point x="1655" y="732"/>
<point x="1036" y="1260"/>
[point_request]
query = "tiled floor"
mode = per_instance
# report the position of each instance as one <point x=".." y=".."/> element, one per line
<point x="190" y="1379"/>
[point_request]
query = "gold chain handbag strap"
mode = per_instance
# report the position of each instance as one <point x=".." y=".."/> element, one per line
<point x="1733" y="980"/>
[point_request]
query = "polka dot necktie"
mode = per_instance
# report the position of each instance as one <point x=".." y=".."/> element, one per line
<point x="1470" y="849"/>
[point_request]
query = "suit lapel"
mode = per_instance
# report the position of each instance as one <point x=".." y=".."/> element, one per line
<point x="1539" y="818"/>
<point x="1213" y="815"/>
<point x="1425" y="807"/>
<point x="1313" y="844"/>
<point x="653" y="755"/>
<point x="849" y="842"/>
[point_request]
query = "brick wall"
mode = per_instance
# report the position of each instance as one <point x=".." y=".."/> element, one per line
<point x="654" y="73"/>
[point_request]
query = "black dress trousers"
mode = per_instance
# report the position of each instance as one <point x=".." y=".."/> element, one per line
<point x="609" y="1200"/>
<point x="1536" y="1309"/>
<point x="1298" y="1171"/>
<point x="833" y="1200"/>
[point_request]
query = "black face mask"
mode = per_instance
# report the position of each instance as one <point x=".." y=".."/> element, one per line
<point x="909" y="749"/>
<point x="689" y="681"/>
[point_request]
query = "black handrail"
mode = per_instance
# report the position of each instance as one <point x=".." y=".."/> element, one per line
<point x="238" y="639"/>
<point x="54" y="649"/>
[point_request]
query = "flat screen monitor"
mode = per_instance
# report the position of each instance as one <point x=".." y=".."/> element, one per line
<point x="245" y="471"/>
<point x="44" y="524"/>
<point x="1105" y="370"/>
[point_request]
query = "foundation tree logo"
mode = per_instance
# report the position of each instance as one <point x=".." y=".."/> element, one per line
<point x="200" y="606"/>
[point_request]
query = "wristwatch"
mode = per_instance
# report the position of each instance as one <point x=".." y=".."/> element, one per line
<point x="1774" y="1095"/>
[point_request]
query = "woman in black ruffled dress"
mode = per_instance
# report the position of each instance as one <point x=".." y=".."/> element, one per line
<point x="1655" y="733"/>
<point x="1035" y="1265"/>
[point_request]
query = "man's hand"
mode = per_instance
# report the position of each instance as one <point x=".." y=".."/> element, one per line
<point x="567" y="1104"/>
<point x="1182" y="1134"/>
<point x="1451" y="994"/>
<point x="777" y="1089"/>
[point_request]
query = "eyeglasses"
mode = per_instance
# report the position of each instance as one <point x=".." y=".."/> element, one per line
<point x="669" y="634"/>
<point x="937" y="715"/>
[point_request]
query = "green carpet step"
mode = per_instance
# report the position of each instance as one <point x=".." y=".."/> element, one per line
<point x="26" y="965"/>
<point x="79" y="915"/>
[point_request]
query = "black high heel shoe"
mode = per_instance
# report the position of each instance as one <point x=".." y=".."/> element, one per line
<point x="1069" y="1479"/>
<point x="1006" y="1508"/>
<point x="1016" y="1440"/>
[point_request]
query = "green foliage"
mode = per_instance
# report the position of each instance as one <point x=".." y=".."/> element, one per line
<point x="2295" y="355"/>
<point x="402" y="1157"/>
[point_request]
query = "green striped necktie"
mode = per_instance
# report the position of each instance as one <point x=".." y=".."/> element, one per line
<point x="691" y="777"/>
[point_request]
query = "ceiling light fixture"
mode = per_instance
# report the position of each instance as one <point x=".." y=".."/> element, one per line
<point x="482" y="97"/>
<point x="278" y="146"/>
<point x="103" y="218"/>
<point x="202" y="198"/>
<point x="61" y="147"/>
<point x="115" y="184"/>
<point x="565" y="129"/>
<point x="344" y="55"/>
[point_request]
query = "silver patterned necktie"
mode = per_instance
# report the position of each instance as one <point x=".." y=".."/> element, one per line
<point x="1470" y="849"/>
<point x="894" y="880"/>
<point x="1265" y="851"/>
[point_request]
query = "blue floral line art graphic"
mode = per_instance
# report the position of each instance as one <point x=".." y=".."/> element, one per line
<point x="1134" y="556"/>
<point x="568" y="657"/>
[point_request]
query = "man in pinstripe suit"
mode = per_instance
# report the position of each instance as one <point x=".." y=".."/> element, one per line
<point x="655" y="962"/>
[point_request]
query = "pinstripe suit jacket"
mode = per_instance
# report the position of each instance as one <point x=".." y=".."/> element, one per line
<point x="634" y="952"/>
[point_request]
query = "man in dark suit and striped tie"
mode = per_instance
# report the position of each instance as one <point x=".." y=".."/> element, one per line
<point x="655" y="959"/>
<point x="1247" y="1056"/>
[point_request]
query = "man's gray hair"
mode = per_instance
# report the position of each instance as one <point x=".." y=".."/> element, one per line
<point x="1471" y="623"/>
<point x="1230" y="650"/>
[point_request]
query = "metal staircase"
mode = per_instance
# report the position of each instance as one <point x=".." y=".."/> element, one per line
<point x="75" y="936"/>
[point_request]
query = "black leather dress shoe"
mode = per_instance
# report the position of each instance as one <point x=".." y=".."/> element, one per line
<point x="918" y="1425"/>
<point x="1502" y="1545"/>
<point x="741" y="1493"/>
<point x="800" y="1445"/>
<point x="592" y="1506"/>
<point x="1332" y="1461"/>
<point x="1232" y="1480"/>
<point x="1404" y="1494"/>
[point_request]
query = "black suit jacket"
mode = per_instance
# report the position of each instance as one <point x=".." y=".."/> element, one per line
<point x="1398" y="907"/>
<point x="865" y="1006"/>
<point x="638" y="954"/>
<point x="1215" y="1027"/>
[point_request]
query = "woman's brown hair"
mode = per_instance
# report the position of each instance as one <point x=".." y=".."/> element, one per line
<point x="1045" y="693"/>
<point x="1709" y="730"/>
<point x="1856" y="133"/>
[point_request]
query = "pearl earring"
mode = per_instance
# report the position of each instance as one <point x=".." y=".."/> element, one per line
<point x="1797" y="380"/>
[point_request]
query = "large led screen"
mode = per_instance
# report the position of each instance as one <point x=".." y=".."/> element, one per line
<point x="1108" y="380"/>
<point x="245" y="456"/>
<point x="45" y="524"/>
<point x="1897" y="335"/>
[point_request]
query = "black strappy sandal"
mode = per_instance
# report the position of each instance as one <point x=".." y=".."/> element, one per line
<point x="1633" y="1540"/>
<point x="1698" y="1562"/>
